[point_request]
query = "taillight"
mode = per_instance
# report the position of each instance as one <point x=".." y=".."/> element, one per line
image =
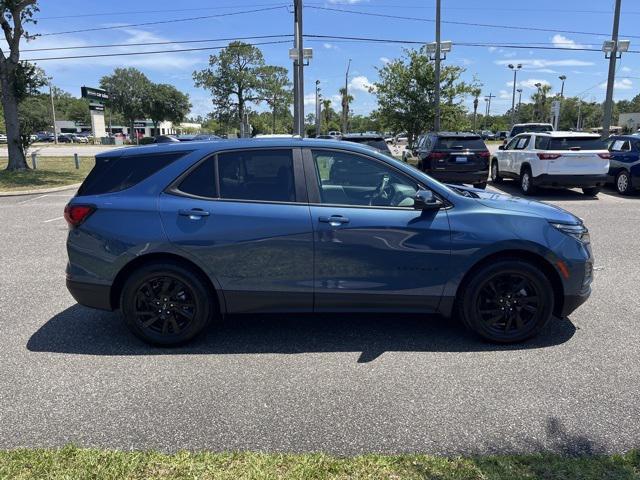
<point x="437" y="155"/>
<point x="484" y="154"/>
<point x="606" y="156"/>
<point x="76" y="214"/>
<point x="549" y="156"/>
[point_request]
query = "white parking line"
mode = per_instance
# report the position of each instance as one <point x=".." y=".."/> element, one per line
<point x="53" y="219"/>
<point x="29" y="200"/>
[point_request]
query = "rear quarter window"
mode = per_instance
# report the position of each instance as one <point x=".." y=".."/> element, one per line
<point x="113" y="174"/>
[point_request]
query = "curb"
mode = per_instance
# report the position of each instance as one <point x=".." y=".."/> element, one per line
<point x="19" y="193"/>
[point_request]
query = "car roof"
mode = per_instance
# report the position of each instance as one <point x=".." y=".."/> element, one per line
<point x="560" y="133"/>
<point x="365" y="136"/>
<point x="625" y="137"/>
<point x="531" y="123"/>
<point x="457" y="134"/>
<point x="206" y="147"/>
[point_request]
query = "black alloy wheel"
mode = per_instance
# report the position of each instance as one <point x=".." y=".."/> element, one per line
<point x="508" y="301"/>
<point x="165" y="304"/>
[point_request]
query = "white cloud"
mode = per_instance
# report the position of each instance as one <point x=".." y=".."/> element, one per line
<point x="384" y="60"/>
<point x="329" y="46"/>
<point x="310" y="99"/>
<point x="504" y="95"/>
<point x="492" y="49"/>
<point x="624" y="84"/>
<point x="529" y="83"/>
<point x="360" y="83"/>
<point x="509" y="54"/>
<point x="625" y="69"/>
<point x="544" y="63"/>
<point x="560" y="41"/>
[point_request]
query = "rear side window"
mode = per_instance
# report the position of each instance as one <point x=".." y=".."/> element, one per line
<point x="542" y="143"/>
<point x="576" y="143"/>
<point x="620" y="146"/>
<point x="262" y="175"/>
<point x="113" y="174"/>
<point x="377" y="143"/>
<point x="460" y="143"/>
<point x="201" y="181"/>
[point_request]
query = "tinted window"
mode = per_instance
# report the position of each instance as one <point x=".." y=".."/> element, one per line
<point x="512" y="143"/>
<point x="542" y="143"/>
<point x="201" y="181"/>
<point x="530" y="128"/>
<point x="619" y="146"/>
<point x="265" y="175"/>
<point x="460" y="143"/>
<point x="349" y="179"/>
<point x="377" y="143"/>
<point x="576" y="143"/>
<point x="112" y="174"/>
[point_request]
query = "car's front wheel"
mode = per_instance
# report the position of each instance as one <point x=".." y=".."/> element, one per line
<point x="166" y="303"/>
<point x="623" y="183"/>
<point x="506" y="301"/>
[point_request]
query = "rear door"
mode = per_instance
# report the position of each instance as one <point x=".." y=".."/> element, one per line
<point x="519" y="153"/>
<point x="578" y="155"/>
<point x="460" y="154"/>
<point x="243" y="215"/>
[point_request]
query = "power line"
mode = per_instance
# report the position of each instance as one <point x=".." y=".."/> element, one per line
<point x="468" y="24"/>
<point x="159" y="22"/>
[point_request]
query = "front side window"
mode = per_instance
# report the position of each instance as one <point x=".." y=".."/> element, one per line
<point x="522" y="143"/>
<point x="512" y="143"/>
<point x="261" y="175"/>
<point x="349" y="179"/>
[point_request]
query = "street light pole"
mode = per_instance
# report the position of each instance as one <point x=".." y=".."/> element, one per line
<point x="539" y="106"/>
<point x="557" y="122"/>
<point x="608" y="103"/>
<point x="436" y="96"/>
<point x="53" y="112"/>
<point x="519" y="101"/>
<point x="345" y="101"/>
<point x="515" y="69"/>
<point x="298" y="71"/>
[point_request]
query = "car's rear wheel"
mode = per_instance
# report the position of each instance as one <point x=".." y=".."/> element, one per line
<point x="526" y="182"/>
<point x="591" y="191"/>
<point x="623" y="183"/>
<point x="506" y="301"/>
<point x="495" y="172"/>
<point x="166" y="303"/>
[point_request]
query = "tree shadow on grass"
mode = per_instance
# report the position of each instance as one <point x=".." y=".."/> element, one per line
<point x="80" y="330"/>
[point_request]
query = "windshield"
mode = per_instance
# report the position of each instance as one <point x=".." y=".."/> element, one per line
<point x="460" y="143"/>
<point x="530" y="128"/>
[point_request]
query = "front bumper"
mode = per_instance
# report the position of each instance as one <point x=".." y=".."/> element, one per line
<point x="90" y="294"/>
<point x="477" y="176"/>
<point x="572" y="302"/>
<point x="570" y="181"/>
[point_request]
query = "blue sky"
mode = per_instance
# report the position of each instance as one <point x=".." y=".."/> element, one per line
<point x="586" y="71"/>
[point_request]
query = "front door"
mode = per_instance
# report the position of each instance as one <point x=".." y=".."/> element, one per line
<point x="249" y="226"/>
<point x="373" y="251"/>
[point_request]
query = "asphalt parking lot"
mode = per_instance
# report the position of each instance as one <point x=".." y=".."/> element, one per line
<point x="341" y="384"/>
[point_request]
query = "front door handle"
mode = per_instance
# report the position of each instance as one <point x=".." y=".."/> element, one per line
<point x="334" y="220"/>
<point x="193" y="213"/>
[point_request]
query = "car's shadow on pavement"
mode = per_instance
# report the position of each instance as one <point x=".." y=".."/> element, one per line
<point x="556" y="194"/>
<point x="80" y="330"/>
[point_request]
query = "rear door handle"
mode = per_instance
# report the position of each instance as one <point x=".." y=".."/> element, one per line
<point x="334" y="220"/>
<point x="193" y="213"/>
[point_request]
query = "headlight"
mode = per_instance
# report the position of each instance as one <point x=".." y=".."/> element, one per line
<point x="579" y="232"/>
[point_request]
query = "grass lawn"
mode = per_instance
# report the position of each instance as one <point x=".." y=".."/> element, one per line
<point x="51" y="172"/>
<point x="75" y="463"/>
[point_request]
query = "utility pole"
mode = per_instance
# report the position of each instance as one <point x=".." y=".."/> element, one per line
<point x="608" y="103"/>
<point x="298" y="71"/>
<point x="515" y="69"/>
<point x="519" y="102"/>
<point x="436" y="96"/>
<point x="488" y="98"/>
<point x="53" y="112"/>
<point x="579" y="121"/>
<point x="317" y="108"/>
<point x="557" y="119"/>
<point x="345" y="101"/>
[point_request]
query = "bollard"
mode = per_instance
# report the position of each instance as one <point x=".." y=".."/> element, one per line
<point x="34" y="160"/>
<point x="77" y="160"/>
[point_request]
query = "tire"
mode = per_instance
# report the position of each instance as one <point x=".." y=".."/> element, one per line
<point x="163" y="286"/>
<point x="481" y="186"/>
<point x="495" y="172"/>
<point x="526" y="182"/>
<point x="511" y="314"/>
<point x="591" y="191"/>
<point x="623" y="183"/>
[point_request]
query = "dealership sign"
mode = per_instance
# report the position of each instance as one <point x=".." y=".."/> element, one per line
<point x="95" y="94"/>
<point x="96" y="107"/>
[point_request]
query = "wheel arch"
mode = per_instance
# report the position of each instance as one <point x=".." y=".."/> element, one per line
<point x="159" y="257"/>
<point x="535" y="259"/>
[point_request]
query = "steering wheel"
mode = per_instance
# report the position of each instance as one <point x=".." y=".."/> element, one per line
<point x="381" y="191"/>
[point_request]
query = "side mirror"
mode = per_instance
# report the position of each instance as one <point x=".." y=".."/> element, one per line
<point x="501" y="147"/>
<point x="426" y="200"/>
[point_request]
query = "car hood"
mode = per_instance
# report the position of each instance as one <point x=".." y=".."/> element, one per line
<point x="502" y="201"/>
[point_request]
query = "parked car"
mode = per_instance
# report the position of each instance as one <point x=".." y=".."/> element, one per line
<point x="335" y="133"/>
<point x="77" y="138"/>
<point x="205" y="137"/>
<point x="410" y="155"/>
<point x="624" y="164"/>
<point x="519" y="128"/>
<point x="487" y="135"/>
<point x="374" y="141"/>
<point x="177" y="235"/>
<point x="455" y="157"/>
<point x="165" y="139"/>
<point x="65" y="138"/>
<point x="502" y="135"/>
<point x="553" y="159"/>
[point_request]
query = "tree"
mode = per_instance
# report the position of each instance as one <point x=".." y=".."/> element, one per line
<point x="405" y="92"/>
<point x="234" y="78"/>
<point x="329" y="119"/>
<point x="35" y="116"/>
<point x="166" y="102"/>
<point x="14" y="75"/>
<point x="346" y="100"/>
<point x="275" y="89"/>
<point x="128" y="89"/>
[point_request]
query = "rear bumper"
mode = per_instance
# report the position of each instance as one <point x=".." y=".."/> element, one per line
<point x="570" y="181"/>
<point x="90" y="294"/>
<point x="476" y="176"/>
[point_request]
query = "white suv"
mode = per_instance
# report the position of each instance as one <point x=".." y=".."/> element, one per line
<point x="553" y="159"/>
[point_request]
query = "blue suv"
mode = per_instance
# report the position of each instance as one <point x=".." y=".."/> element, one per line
<point x="178" y="235"/>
